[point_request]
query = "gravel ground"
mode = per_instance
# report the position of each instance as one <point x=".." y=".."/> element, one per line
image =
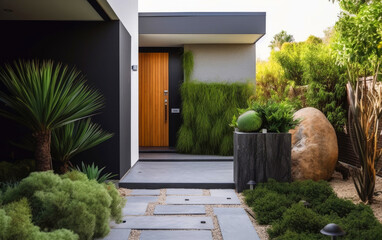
<point x="346" y="189"/>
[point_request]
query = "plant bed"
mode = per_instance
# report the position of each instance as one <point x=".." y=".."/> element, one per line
<point x="279" y="205"/>
<point x="259" y="156"/>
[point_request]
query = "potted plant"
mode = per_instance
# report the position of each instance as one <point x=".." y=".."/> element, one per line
<point x="262" y="144"/>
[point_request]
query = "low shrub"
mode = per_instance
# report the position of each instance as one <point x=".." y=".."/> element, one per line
<point x="70" y="202"/>
<point x="279" y="204"/>
<point x="298" y="219"/>
<point x="207" y="110"/>
<point x="16" y="224"/>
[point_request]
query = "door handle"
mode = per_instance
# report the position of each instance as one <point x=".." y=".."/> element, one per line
<point x="165" y="110"/>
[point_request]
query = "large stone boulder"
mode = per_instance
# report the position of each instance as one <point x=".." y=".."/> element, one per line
<point x="314" y="146"/>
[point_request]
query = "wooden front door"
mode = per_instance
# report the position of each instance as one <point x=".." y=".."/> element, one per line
<point x="153" y="100"/>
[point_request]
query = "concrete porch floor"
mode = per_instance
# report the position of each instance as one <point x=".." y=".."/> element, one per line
<point x="169" y="170"/>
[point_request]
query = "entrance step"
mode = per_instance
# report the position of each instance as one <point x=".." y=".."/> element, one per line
<point x="157" y="150"/>
<point x="179" y="174"/>
<point x="151" y="156"/>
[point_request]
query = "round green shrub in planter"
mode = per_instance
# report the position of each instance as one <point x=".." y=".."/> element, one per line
<point x="250" y="121"/>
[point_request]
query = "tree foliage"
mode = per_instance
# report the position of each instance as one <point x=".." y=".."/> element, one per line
<point x="359" y="32"/>
<point x="281" y="38"/>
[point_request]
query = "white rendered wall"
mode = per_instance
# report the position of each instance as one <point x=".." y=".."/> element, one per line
<point x="223" y="62"/>
<point x="127" y="12"/>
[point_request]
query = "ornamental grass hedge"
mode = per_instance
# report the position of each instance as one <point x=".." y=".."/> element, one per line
<point x="207" y="110"/>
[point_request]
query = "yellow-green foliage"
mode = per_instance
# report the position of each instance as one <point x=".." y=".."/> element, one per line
<point x="207" y="110"/>
<point x="270" y="83"/>
<point x="71" y="202"/>
<point x="16" y="224"/>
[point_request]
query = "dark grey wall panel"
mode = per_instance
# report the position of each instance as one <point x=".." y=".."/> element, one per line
<point x="125" y="99"/>
<point x="94" y="48"/>
<point x="202" y="23"/>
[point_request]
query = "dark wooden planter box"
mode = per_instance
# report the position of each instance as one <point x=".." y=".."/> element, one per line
<point x="259" y="156"/>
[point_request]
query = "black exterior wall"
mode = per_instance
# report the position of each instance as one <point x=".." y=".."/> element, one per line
<point x="175" y="81"/>
<point x="101" y="50"/>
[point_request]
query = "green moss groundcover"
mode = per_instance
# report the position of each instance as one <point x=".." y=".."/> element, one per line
<point x="207" y="110"/>
<point x="61" y="207"/>
<point x="279" y="205"/>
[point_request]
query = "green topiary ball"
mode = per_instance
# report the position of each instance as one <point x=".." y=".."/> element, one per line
<point x="249" y="121"/>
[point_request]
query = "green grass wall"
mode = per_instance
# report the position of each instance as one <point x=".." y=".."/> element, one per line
<point x="207" y="110"/>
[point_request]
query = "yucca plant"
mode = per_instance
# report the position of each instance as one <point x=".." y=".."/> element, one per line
<point x="92" y="172"/>
<point x="73" y="138"/>
<point x="44" y="96"/>
<point x="365" y="112"/>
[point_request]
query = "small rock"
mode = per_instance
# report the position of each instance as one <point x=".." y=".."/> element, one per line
<point x="314" y="146"/>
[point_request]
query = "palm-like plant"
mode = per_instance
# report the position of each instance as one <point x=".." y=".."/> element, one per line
<point x="93" y="172"/>
<point x="44" y="96"/>
<point x="365" y="112"/>
<point x="73" y="138"/>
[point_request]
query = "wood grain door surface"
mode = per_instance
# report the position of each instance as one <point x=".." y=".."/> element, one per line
<point x="153" y="100"/>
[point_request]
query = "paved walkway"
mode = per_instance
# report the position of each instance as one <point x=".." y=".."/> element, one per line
<point x="184" y="214"/>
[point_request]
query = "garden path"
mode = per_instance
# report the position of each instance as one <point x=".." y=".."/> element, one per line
<point x="184" y="214"/>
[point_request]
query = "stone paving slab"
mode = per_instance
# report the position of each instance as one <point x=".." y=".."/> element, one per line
<point x="165" y="223"/>
<point x="186" y="200"/>
<point x="184" y="191"/>
<point x="179" y="210"/>
<point x="176" y="235"/>
<point x="229" y="211"/>
<point x="117" y="234"/>
<point x="142" y="199"/>
<point x="223" y="192"/>
<point x="145" y="192"/>
<point x="235" y="224"/>
<point x="134" y="208"/>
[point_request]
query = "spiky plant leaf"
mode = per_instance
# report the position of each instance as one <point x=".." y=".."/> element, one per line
<point x="46" y="95"/>
<point x="92" y="172"/>
<point x="77" y="137"/>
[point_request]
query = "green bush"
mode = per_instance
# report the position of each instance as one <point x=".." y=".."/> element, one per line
<point x="80" y="205"/>
<point x="270" y="81"/>
<point x="289" y="58"/>
<point x="16" y="224"/>
<point x="326" y="91"/>
<point x="277" y="117"/>
<point x="207" y="110"/>
<point x="298" y="219"/>
<point x="279" y="204"/>
<point x="310" y="63"/>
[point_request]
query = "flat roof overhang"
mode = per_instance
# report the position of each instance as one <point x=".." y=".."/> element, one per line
<point x="177" y="29"/>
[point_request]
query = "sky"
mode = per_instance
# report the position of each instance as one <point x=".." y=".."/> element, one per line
<point x="300" y="18"/>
